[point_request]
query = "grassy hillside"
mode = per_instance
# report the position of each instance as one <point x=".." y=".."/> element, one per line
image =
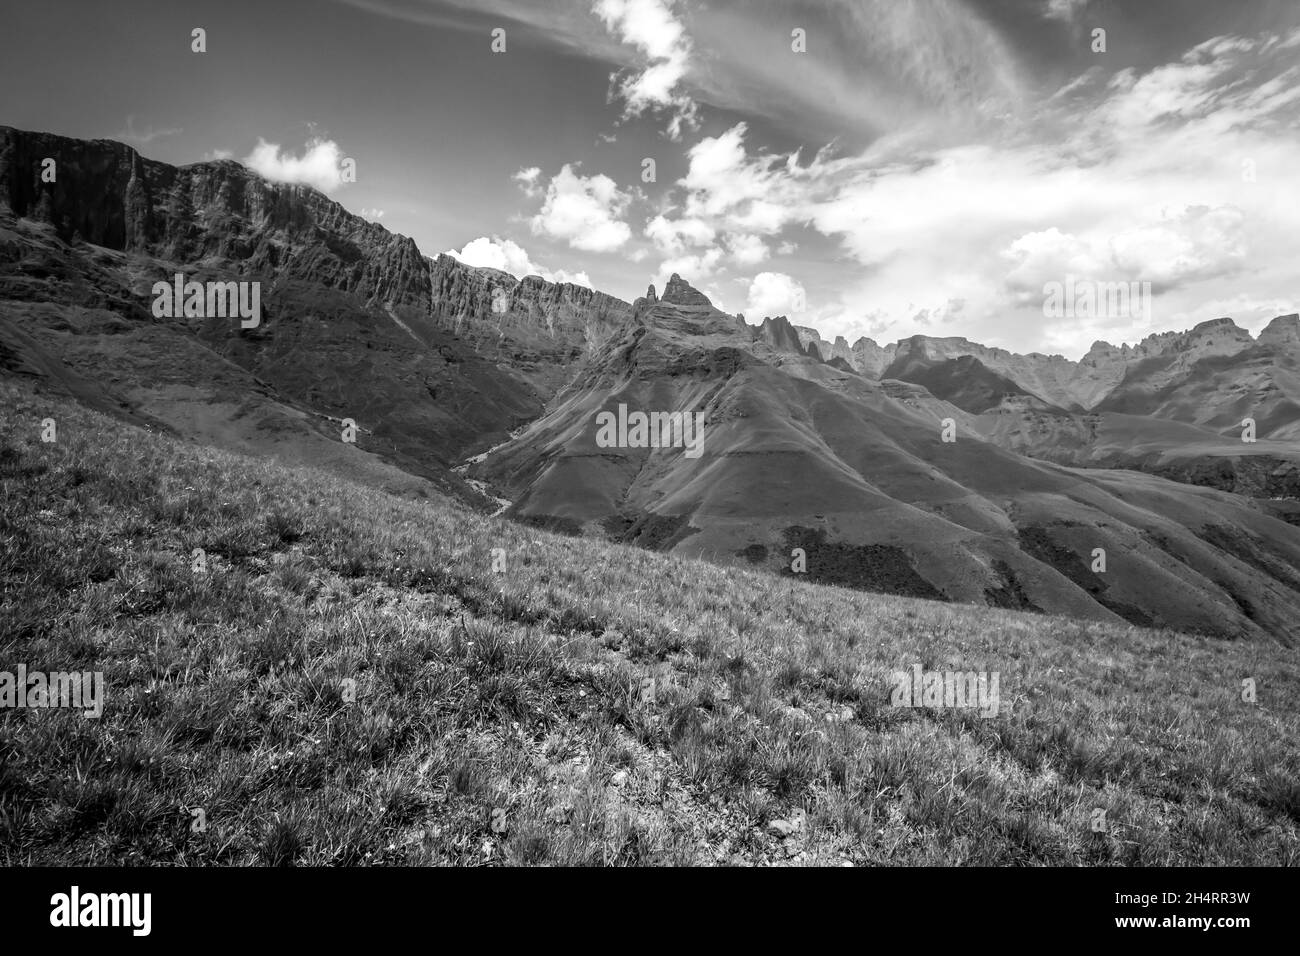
<point x="511" y="718"/>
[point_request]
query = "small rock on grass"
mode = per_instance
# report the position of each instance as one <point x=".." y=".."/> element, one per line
<point x="781" y="828"/>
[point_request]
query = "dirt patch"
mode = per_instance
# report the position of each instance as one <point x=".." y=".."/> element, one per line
<point x="659" y="532"/>
<point x="565" y="526"/>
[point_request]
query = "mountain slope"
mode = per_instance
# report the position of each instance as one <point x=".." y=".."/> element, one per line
<point x="589" y="704"/>
<point x="800" y="454"/>
<point x="356" y="323"/>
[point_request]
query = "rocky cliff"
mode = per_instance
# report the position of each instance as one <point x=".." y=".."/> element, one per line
<point x="108" y="195"/>
<point x="488" y="304"/>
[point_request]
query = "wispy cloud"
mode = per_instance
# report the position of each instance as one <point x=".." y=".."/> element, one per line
<point x="1066" y="10"/>
<point x="653" y="28"/>
<point x="872" y="66"/>
<point x="146" y="135"/>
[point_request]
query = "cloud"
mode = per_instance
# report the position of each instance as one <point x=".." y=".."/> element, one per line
<point x="747" y="250"/>
<point x="1139" y="174"/>
<point x="583" y="211"/>
<point x="651" y="27"/>
<point x="958" y="177"/>
<point x="1177" y="247"/>
<point x="693" y="267"/>
<point x="142" y="136"/>
<point x="509" y="256"/>
<point x="673" y="237"/>
<point x="372" y="213"/>
<point x="217" y="154"/>
<point x="1066" y="10"/>
<point x="527" y="179"/>
<point x="775" y="293"/>
<point x="320" y="165"/>
<point x="736" y="192"/>
<point x="874" y="66"/>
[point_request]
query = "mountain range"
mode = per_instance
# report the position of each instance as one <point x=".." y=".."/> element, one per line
<point x="1115" y="488"/>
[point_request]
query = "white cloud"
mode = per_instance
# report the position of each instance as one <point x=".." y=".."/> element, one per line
<point x="1139" y="175"/>
<point x="746" y="249"/>
<point x="372" y="213"/>
<point x="672" y="237"/>
<point x="877" y="65"/>
<point x="583" y="211"/>
<point x="320" y="165"/>
<point x="775" y="293"/>
<point x="508" y="256"/>
<point x="527" y="179"/>
<point x="1185" y="245"/>
<point x="217" y="154"/>
<point x="652" y="28"/>
<point x="694" y="267"/>
<point x="738" y="193"/>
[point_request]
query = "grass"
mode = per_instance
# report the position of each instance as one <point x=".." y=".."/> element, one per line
<point x="345" y="681"/>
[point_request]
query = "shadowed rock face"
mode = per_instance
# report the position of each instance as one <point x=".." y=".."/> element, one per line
<point x="108" y="195"/>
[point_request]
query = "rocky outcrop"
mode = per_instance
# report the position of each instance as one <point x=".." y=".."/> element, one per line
<point x="489" y="303"/>
<point x="780" y="334"/>
<point x="1283" y="332"/>
<point x="681" y="293"/>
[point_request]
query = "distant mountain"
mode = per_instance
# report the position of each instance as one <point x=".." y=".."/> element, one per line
<point x="966" y="381"/>
<point x="1125" y="406"/>
<point x="1108" y="375"/>
<point x="816" y="459"/>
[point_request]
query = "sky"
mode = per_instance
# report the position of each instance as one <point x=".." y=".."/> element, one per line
<point x="876" y="168"/>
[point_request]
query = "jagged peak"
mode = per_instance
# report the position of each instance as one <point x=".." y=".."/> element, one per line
<point x="680" y="292"/>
